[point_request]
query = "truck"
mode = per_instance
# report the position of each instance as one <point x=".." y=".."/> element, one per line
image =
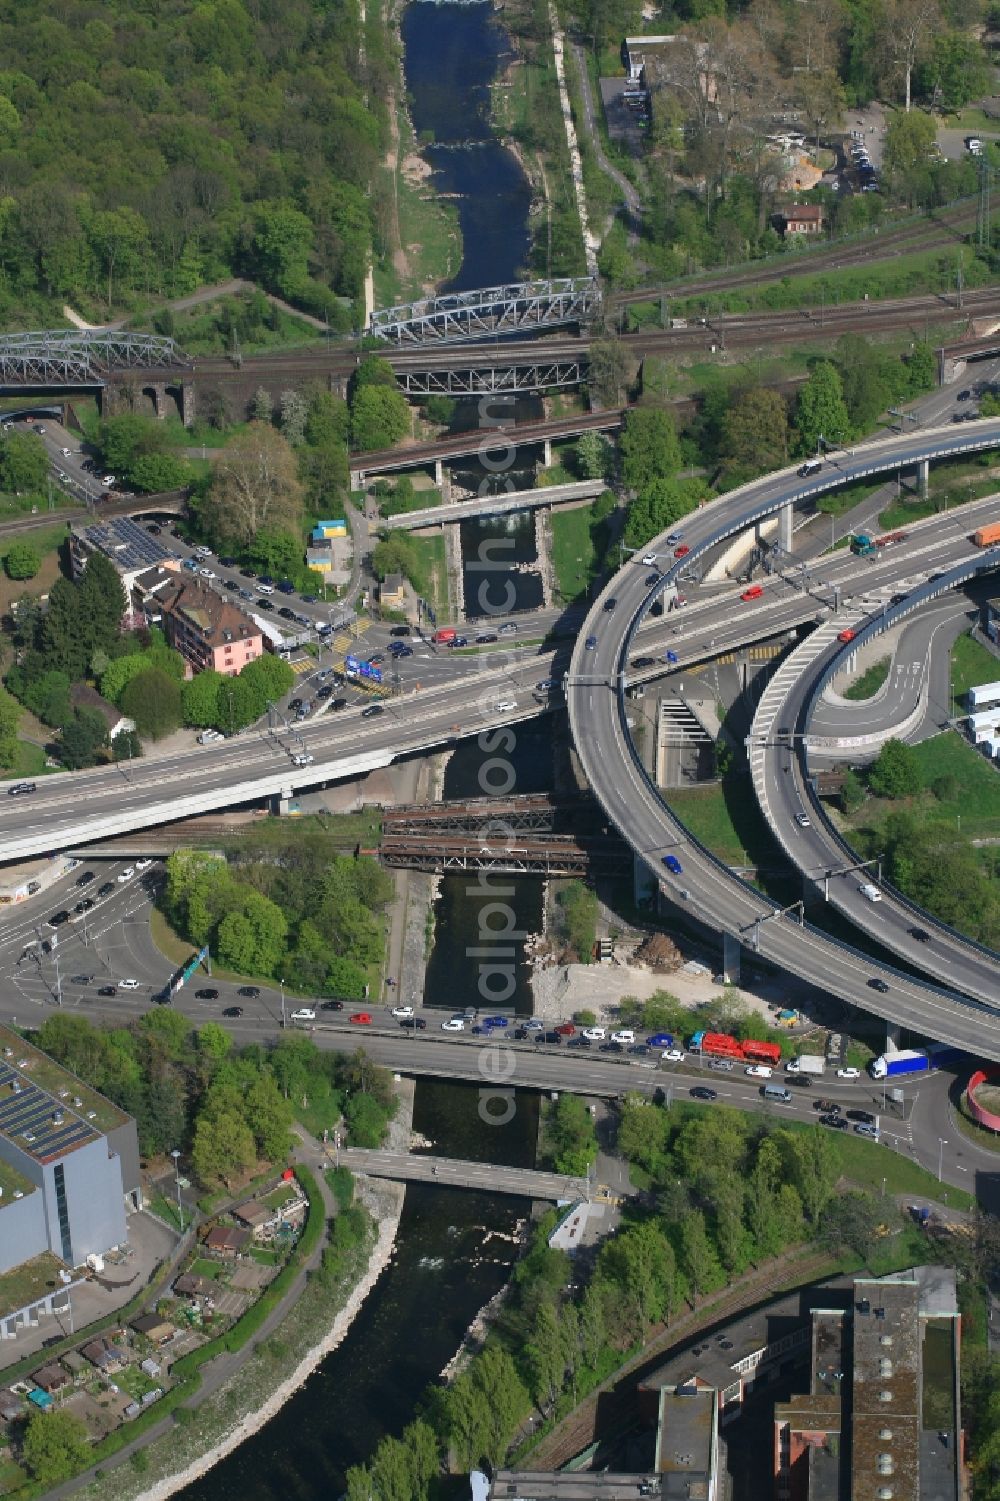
<point x="720" y="1044"/>
<point x="442" y="637"/>
<point x="762" y="1052"/>
<point x="985" y="536"/>
<point x="896" y="1065"/>
<point x="806" y="1063"/>
<point x="864" y="545"/>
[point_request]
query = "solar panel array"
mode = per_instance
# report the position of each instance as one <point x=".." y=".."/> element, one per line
<point x="41" y="1125"/>
<point x="127" y="543"/>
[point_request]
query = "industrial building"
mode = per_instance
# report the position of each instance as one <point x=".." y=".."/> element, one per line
<point x="69" y="1161"/>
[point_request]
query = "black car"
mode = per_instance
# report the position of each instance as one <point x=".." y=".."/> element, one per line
<point x="920" y="934"/>
<point x="400" y="630"/>
<point x="286" y="613"/>
<point x="638" y="1050"/>
<point x="643" y="661"/>
<point x="610" y="604"/>
<point x="828" y="1107"/>
<point x="264" y="604"/>
<point x="579" y="1042"/>
<point x="520" y="1033"/>
<point x="153" y="529"/>
<point x="612" y="1047"/>
<point x="702" y="1092"/>
<point x="249" y="990"/>
<point x="108" y="990"/>
<point x="837" y="1122"/>
<point x="325" y="691"/>
<point x="339" y="703"/>
<point x="266" y="578"/>
<point x="228" y="562"/>
<point x="206" y="995"/>
<point x="803" y="1081"/>
<point x="233" y="1011"/>
<point x="879" y="985"/>
<point x="82" y="979"/>
<point x="296" y="703"/>
<point x="332" y="1006"/>
<point x="414" y="1023"/>
<point x="85" y="879"/>
<point x="459" y="641"/>
<point x="372" y="710"/>
<point x="485" y="637"/>
<point x="247" y="573"/>
<point x="553" y="1037"/>
<point x="58" y="918"/>
<point x="864" y="1116"/>
<point x="286" y="587"/>
<point x="85" y="905"/>
<point x="652" y="578"/>
<point x="106" y="889"/>
<point x="310" y="599"/>
<point x="230" y="584"/>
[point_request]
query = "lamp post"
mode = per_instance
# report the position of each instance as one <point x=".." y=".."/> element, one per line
<point x="942" y="1143"/>
<point x="177" y="1183"/>
<point x="282" y="984"/>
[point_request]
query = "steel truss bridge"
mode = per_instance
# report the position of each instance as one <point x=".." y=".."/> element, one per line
<point x="494" y="377"/>
<point x="519" y="307"/>
<point x="71" y="356"/>
<point x="525" y="835"/>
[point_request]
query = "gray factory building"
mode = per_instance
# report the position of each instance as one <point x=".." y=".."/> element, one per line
<point x="69" y="1161"/>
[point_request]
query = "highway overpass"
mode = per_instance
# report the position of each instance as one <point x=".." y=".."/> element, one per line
<point x="700" y="883"/>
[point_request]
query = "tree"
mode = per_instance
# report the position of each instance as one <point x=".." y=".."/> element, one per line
<point x="54" y="1446"/>
<point x="101" y="605"/>
<point x="850" y="1221"/>
<point x="592" y="454"/>
<point x="954" y="72"/>
<point x="852" y="792"/>
<point x="84" y="735"/>
<point x="822" y="100"/>
<point x="126" y="746"/>
<point x="379" y="417"/>
<point x="294" y="411"/>
<point x="895" y="772"/>
<point x="200" y="698"/>
<point x="649" y="447"/>
<point x="156" y="473"/>
<point x="659" y="506"/>
<point x="223" y="1146"/>
<point x="22" y="561"/>
<point x="270" y="674"/>
<point x="24" y="464"/>
<point x="262" y="407"/>
<point x="755" y="432"/>
<point x="256" y="486"/>
<point x="10" y="719"/>
<point x="820" y="411"/>
<point x="607" y="372"/>
<point x="905" y="30"/>
<point x="908" y="139"/>
<point x="152" y="700"/>
<point x="570" y="1138"/>
<point x="269" y="1116"/>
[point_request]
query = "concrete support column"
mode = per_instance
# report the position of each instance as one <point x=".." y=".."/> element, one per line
<point x="160" y="400"/>
<point x="547" y="453"/>
<point x="923" y="477"/>
<point x="785" y="527"/>
<point x="438" y="473"/>
<point x="892" y="1031"/>
<point x="732" y="956"/>
<point x="188" y="403"/>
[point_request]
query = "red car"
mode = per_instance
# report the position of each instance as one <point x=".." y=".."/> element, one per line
<point x="565" y="1029"/>
<point x="682" y="551"/>
<point x="754" y="592"/>
<point x="846" y="636"/>
<point x="362" y="1018"/>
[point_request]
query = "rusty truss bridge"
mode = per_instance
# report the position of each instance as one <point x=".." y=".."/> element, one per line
<point x="81" y="357"/>
<point x="494" y="376"/>
<point x="519" y="836"/>
<point x="517" y="308"/>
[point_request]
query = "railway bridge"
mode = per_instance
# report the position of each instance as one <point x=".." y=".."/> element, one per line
<point x="488" y="312"/>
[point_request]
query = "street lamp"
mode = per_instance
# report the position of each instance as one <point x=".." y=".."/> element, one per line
<point x="177" y="1183"/>
<point x="282" y="984"/>
<point x="942" y="1143"/>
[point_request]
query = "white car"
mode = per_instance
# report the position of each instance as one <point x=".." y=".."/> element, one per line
<point x="870" y="891"/>
<point x="673" y="1055"/>
<point x="624" y="1036"/>
<point x="126" y="874"/>
<point x="303" y="1015"/>
<point x="758" y="1071"/>
<point x="534" y="1025"/>
<point x="848" y="1073"/>
<point x="594" y="1034"/>
<point x="303" y="758"/>
<point x="402" y="1010"/>
<point x="506" y="705"/>
<point x="128" y="984"/>
<point x="453" y="1025"/>
<point x="649" y="559"/>
<point x="66" y="452"/>
<point x="203" y="551"/>
<point x="207" y="573"/>
<point x="143" y="864"/>
<point x="802" y="819"/>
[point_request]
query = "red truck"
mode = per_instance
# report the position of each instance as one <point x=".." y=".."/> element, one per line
<point x="444" y="636"/>
<point x="987" y="535"/>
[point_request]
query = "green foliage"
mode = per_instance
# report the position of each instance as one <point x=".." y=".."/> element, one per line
<point x="820" y="411"/>
<point x="82" y="737"/>
<point x="22" y="561"/>
<point x="152" y="700"/>
<point x="10" y="719"/>
<point x="54" y="1446"/>
<point x="649" y="447"/>
<point x="578" y="919"/>
<point x="341" y="1181"/>
<point x="755" y="433"/>
<point x="895" y="772"/>
<point x="659" y="506"/>
<point x="570" y="1137"/>
<point x="852" y="793"/>
<point x="24" y="464"/>
<point x="379" y="417"/>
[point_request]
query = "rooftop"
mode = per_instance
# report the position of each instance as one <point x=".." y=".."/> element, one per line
<point x="13" y="1183"/>
<point x="215" y="619"/>
<point x="83" y="696"/>
<point x="685" y="1441"/>
<point x="28" y="1282"/>
<point x="885" y="1424"/>
<point x="125" y="542"/>
<point x="528" y="1485"/>
<point x="44" y="1109"/>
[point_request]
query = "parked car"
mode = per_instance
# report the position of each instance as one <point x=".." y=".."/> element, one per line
<point x="304" y="1014"/>
<point x="454" y="1024"/>
<point x="251" y="991"/>
<point x="233" y="1011"/>
<point x="332" y="1006"/>
<point x="758" y="1071"/>
<point x="415" y="1023"/>
<point x="594" y="1034"/>
<point x="108" y="990"/>
<point x="566" y="1029"/>
<point x="848" y="1073"/>
<point x="206" y="995"/>
<point x="625" y="1034"/>
<point x="402" y="1010"/>
<point x="702" y="1092"/>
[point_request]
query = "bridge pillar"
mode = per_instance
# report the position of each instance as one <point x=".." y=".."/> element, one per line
<point x="159" y="391"/>
<point x="438" y="473"/>
<point x="732" y="954"/>
<point x="923" y="477"/>
<point x="892" y="1033"/>
<point x="547" y="453"/>
<point x="189" y="402"/>
<point x="785" y="527"/>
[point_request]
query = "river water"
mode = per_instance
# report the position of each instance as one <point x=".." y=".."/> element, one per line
<point x="455" y="1249"/>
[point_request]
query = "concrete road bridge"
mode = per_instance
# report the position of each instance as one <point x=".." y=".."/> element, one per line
<point x="450" y="1172"/>
<point x="501" y="504"/>
<point x="488" y="312"/>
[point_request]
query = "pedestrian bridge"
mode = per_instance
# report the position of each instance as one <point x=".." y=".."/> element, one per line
<point x="450" y="1172"/>
<point x="496" y="505"/>
<point x="487" y="312"/>
<point x="81" y="356"/>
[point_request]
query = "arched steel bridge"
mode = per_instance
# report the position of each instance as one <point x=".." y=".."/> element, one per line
<point x="487" y="312"/>
<point x="72" y="356"/>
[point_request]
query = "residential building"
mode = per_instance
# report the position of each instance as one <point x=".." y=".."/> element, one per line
<point x="228" y="1240"/>
<point x="207" y="630"/>
<point x="69" y="1162"/>
<point x="82" y="696"/>
<point x="126" y="544"/>
<point x="392" y="592"/>
<point x="802" y="219"/>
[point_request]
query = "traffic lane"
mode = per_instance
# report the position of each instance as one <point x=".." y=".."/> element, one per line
<point x="22" y="921"/>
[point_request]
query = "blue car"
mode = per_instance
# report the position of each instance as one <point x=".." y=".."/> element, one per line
<point x="670" y="656"/>
<point x="495" y="1021"/>
<point x="660" y="1040"/>
<point x="673" y="864"/>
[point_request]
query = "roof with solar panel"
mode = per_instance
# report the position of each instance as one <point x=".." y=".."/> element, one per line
<point x="126" y="543"/>
<point x="46" y="1111"/>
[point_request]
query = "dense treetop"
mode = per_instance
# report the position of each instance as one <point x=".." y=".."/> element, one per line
<point x="153" y="147"/>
